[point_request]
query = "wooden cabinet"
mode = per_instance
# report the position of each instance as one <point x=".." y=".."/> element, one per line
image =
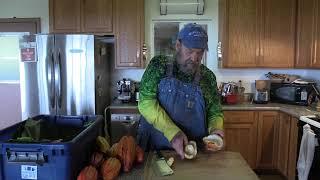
<point x="241" y="134"/>
<point x="129" y="19"/>
<point x="308" y="34"/>
<point x="96" y="16"/>
<point x="239" y="32"/>
<point x="283" y="143"/>
<point x="267" y="139"/>
<point x="292" y="155"/>
<point x="86" y="16"/>
<point x="257" y="33"/>
<point x="64" y="16"/>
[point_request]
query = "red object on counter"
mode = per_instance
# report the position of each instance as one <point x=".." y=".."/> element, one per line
<point x="231" y="99"/>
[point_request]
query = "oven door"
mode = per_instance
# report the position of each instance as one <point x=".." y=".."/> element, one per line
<point x="314" y="173"/>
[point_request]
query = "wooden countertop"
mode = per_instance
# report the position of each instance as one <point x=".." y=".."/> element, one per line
<point x="221" y="165"/>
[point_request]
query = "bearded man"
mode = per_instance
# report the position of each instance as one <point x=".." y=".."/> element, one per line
<point x="179" y="98"/>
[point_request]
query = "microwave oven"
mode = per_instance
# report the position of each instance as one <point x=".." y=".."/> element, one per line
<point x="291" y="93"/>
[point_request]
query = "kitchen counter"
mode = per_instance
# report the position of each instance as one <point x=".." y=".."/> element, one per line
<point x="293" y="110"/>
<point x="220" y="165"/>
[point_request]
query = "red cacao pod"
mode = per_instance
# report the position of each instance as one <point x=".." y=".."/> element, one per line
<point x="110" y="168"/>
<point x="139" y="154"/>
<point x="88" y="173"/>
<point x="97" y="159"/>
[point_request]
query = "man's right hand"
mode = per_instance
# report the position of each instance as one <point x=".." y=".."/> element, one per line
<point x="178" y="143"/>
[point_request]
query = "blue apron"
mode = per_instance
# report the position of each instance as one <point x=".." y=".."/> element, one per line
<point x="184" y="104"/>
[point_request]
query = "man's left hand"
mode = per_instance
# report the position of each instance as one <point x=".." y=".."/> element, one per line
<point x="212" y="147"/>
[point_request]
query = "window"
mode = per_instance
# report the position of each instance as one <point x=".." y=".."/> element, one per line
<point x="9" y="56"/>
<point x="11" y="29"/>
<point x="164" y="36"/>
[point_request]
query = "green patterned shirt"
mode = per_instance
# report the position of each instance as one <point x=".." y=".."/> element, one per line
<point x="150" y="108"/>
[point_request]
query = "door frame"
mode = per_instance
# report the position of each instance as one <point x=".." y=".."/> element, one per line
<point x="35" y="21"/>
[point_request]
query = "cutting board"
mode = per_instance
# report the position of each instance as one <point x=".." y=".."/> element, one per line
<point x="220" y="165"/>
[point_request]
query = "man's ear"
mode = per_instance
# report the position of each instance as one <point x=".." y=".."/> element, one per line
<point x="178" y="45"/>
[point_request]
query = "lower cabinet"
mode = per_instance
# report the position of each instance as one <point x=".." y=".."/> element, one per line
<point x="241" y="134"/>
<point x="266" y="139"/>
<point x="293" y="142"/>
<point x="283" y="143"/>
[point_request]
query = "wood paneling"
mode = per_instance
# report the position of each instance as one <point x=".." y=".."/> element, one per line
<point x="278" y="34"/>
<point x="267" y="139"/>
<point x="308" y="34"/>
<point x="129" y="33"/>
<point x="64" y="16"/>
<point x="283" y="144"/>
<point x="96" y="16"/>
<point x="241" y="134"/>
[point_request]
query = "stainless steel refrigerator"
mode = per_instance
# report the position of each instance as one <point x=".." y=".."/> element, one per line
<point x="69" y="76"/>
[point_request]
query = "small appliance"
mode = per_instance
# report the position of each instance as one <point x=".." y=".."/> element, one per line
<point x="261" y="95"/>
<point x="293" y="93"/>
<point x="125" y="90"/>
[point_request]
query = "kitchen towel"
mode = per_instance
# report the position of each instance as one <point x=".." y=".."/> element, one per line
<point x="307" y="147"/>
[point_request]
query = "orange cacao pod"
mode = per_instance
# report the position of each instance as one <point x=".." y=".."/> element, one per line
<point x="88" y="173"/>
<point x="110" y="168"/>
<point x="96" y="159"/>
<point x="127" y="152"/>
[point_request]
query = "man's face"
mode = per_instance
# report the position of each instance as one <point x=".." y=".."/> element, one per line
<point x="189" y="59"/>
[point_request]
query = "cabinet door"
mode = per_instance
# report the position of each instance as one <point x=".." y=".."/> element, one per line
<point x="239" y="32"/>
<point x="293" y="142"/>
<point x="283" y="143"/>
<point x="308" y="34"/>
<point x="267" y="140"/>
<point x="241" y="134"/>
<point x="96" y="16"/>
<point x="129" y="33"/>
<point x="278" y="33"/>
<point x="64" y="16"/>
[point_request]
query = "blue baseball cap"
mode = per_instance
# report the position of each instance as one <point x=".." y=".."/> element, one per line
<point x="192" y="35"/>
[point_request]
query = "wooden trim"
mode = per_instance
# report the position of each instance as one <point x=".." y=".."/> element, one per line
<point x="35" y="21"/>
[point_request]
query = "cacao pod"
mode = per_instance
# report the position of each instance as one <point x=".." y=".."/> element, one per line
<point x="110" y="168"/>
<point x="88" y="173"/>
<point x="127" y="152"/>
<point x="103" y="144"/>
<point x="97" y="159"/>
<point x="139" y="154"/>
<point x="112" y="152"/>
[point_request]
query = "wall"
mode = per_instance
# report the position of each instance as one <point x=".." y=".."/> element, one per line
<point x="10" y="106"/>
<point x="27" y="9"/>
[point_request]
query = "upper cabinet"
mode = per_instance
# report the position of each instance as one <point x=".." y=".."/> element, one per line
<point x="308" y="34"/>
<point x="257" y="33"/>
<point x="96" y="16"/>
<point x="64" y="16"/>
<point x="129" y="33"/>
<point x="73" y="16"/>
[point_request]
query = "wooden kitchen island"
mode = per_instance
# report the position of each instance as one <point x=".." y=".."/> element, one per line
<point x="221" y="165"/>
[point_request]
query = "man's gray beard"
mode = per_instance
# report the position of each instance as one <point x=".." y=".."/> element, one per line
<point x="188" y="67"/>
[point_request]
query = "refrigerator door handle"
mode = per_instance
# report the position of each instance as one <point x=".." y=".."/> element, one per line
<point x="52" y="81"/>
<point x="59" y="81"/>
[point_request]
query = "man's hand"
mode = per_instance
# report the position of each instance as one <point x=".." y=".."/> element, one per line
<point x="178" y="143"/>
<point x="211" y="146"/>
